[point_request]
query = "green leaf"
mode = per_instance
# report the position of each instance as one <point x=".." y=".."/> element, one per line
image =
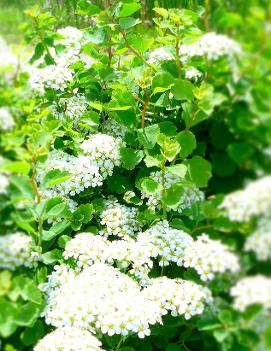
<point x="148" y="136"/>
<point x="7" y="318"/>
<point x="57" y="210"/>
<point x="154" y="161"/>
<point x="90" y="120"/>
<point x="161" y="11"/>
<point x="31" y="336"/>
<point x="82" y="215"/>
<point x="62" y="241"/>
<point x="17" y="167"/>
<point x="221" y="335"/>
<point x="128" y="9"/>
<point x="119" y="184"/>
<point x="5" y="282"/>
<point x="84" y="7"/>
<point x="27" y="314"/>
<point x="55" y="230"/>
<point x="178" y="170"/>
<point x="183" y="90"/>
<point x="32" y="293"/>
<point x="128" y="22"/>
<point x="240" y="152"/>
<point x="187" y="141"/>
<point x="22" y="187"/>
<point x="51" y="257"/>
<point x="148" y="185"/>
<point x="199" y="170"/>
<point x="130" y="157"/>
<point x="55" y="177"/>
<point x="162" y="79"/>
<point x="170" y="147"/>
<point x="174" y="347"/>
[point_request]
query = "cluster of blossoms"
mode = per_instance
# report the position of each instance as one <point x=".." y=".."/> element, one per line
<point x="191" y="194"/>
<point x="159" y="55"/>
<point x="88" y="249"/>
<point x="72" y="108"/>
<point x="180" y="297"/>
<point x="209" y="257"/>
<point x="103" y="151"/>
<point x="260" y="240"/>
<point x="111" y="127"/>
<point x="69" y="339"/>
<point x="6" y="119"/>
<point x="212" y="46"/>
<point x="165" y="242"/>
<point x="17" y="249"/>
<point x="4" y="182"/>
<point x="82" y="173"/>
<point x="192" y="73"/>
<point x="253" y="200"/>
<point x="99" y="297"/>
<point x="252" y="290"/>
<point x="7" y="58"/>
<point x="119" y="220"/>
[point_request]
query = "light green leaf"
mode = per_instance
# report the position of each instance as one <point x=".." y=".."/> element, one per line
<point x="148" y="136"/>
<point x="129" y="8"/>
<point x="130" y="157"/>
<point x="187" y="141"/>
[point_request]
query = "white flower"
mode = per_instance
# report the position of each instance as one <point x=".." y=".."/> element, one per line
<point x="99" y="297"/>
<point x="4" y="182"/>
<point x="209" y="257"/>
<point x="167" y="243"/>
<point x="119" y="220"/>
<point x="69" y="339"/>
<point x="253" y="200"/>
<point x="104" y="151"/>
<point x="17" y="249"/>
<point x="6" y="119"/>
<point x="180" y="297"/>
<point x="70" y="108"/>
<point x="82" y="174"/>
<point x="7" y="58"/>
<point x="111" y="127"/>
<point x="56" y="77"/>
<point x="191" y="194"/>
<point x="159" y="55"/>
<point x="252" y="290"/>
<point x="192" y="73"/>
<point x="212" y="46"/>
<point x="260" y="240"/>
<point x="72" y="38"/>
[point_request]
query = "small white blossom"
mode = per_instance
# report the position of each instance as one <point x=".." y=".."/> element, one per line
<point x="17" y="249"/>
<point x="6" y="119"/>
<point x="192" y="73"/>
<point x="167" y="243"/>
<point x="159" y="55"/>
<point x="111" y="127"/>
<point x="191" y="194"/>
<point x="104" y="151"/>
<point x="253" y="200"/>
<point x="119" y="220"/>
<point x="260" y="240"/>
<point x="209" y="257"/>
<point x="69" y="339"/>
<point x="180" y="297"/>
<point x="212" y="46"/>
<point x="252" y="290"/>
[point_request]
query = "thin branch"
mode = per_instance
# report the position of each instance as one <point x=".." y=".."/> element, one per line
<point x="143" y="112"/>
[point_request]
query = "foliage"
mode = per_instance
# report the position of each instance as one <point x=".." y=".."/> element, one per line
<point x="128" y="130"/>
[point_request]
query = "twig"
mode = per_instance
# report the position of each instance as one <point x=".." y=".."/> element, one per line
<point x="143" y="112"/>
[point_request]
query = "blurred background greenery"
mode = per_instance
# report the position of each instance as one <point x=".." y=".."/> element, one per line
<point x="229" y="12"/>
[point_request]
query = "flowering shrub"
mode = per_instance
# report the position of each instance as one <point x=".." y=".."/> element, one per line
<point x="134" y="186"/>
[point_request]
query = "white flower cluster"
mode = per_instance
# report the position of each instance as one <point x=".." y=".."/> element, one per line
<point x="191" y="194"/>
<point x="167" y="243"/>
<point x="252" y="290"/>
<point x="103" y="151"/>
<point x="119" y="220"/>
<point x="192" y="73"/>
<point x="71" y="109"/>
<point x="71" y="38"/>
<point x="116" y="130"/>
<point x="69" y="339"/>
<point x="209" y="257"/>
<point x="99" y="297"/>
<point x="4" y="182"/>
<point x="55" y="77"/>
<point x="159" y="55"/>
<point x="212" y="46"/>
<point x="7" y="58"/>
<point x="17" y="249"/>
<point x="82" y="173"/>
<point x="253" y="200"/>
<point x="180" y="297"/>
<point x="260" y="240"/>
<point x="6" y="119"/>
<point x="129" y="254"/>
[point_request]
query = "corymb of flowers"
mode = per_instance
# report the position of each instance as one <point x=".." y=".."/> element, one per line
<point x="135" y="179"/>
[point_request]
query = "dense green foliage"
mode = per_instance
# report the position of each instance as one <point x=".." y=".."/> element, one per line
<point x="212" y="131"/>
